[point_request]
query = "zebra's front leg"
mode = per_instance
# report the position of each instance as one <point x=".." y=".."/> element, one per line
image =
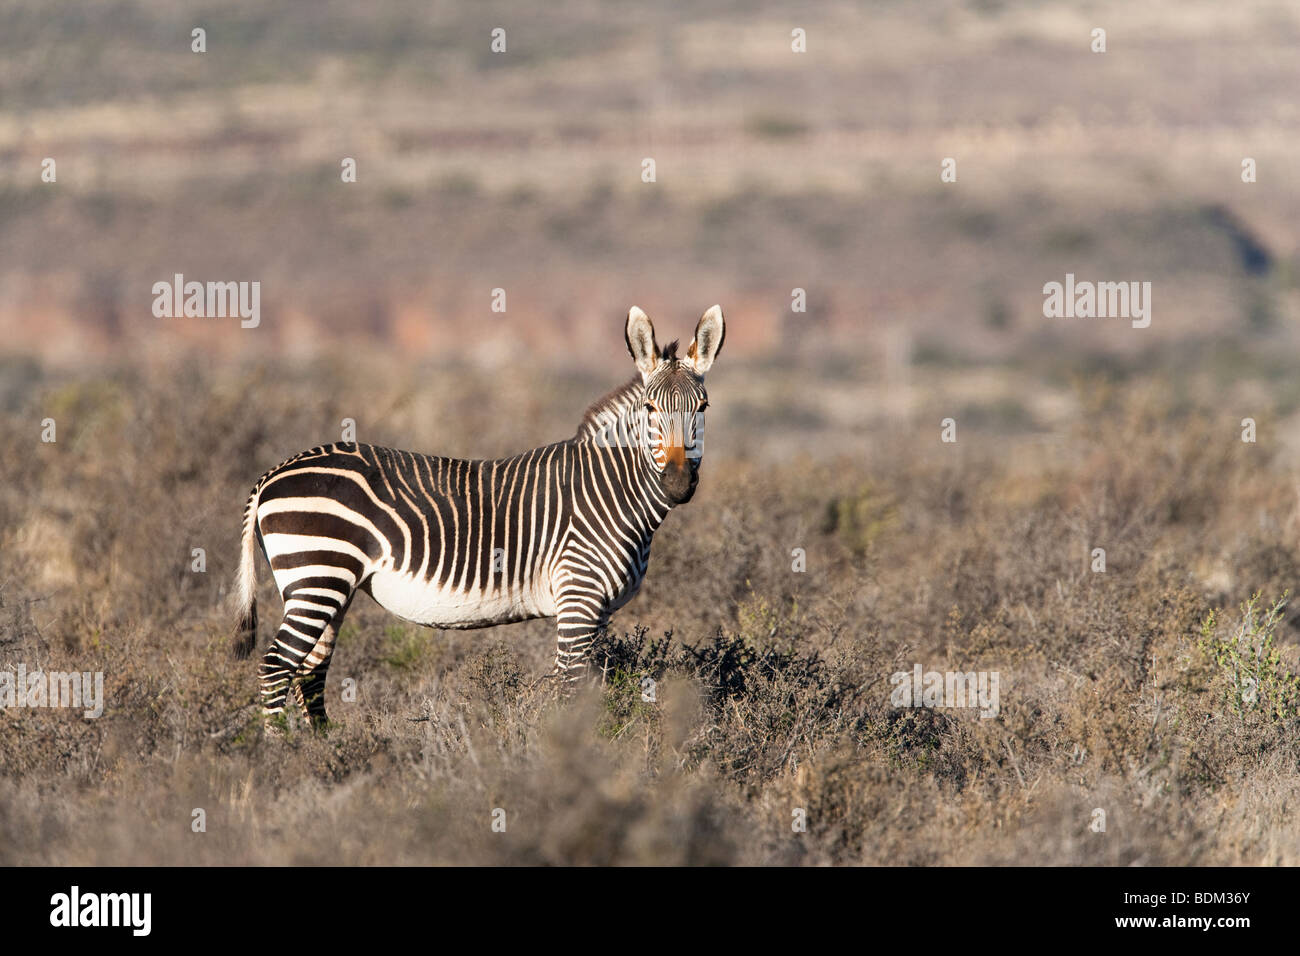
<point x="578" y="627"/>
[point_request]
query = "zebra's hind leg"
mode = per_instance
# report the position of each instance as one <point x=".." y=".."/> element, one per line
<point x="292" y="656"/>
<point x="309" y="685"/>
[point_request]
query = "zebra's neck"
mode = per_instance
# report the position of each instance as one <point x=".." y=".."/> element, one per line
<point x="611" y="437"/>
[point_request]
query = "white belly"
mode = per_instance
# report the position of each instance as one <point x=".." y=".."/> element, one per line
<point x="425" y="603"/>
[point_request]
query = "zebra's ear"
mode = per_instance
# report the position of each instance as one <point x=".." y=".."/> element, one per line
<point x="640" y="335"/>
<point x="708" y="340"/>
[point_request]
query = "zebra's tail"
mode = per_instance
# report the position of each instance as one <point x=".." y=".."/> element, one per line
<point x="246" y="581"/>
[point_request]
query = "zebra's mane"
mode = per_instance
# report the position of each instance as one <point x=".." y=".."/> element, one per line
<point x="605" y="411"/>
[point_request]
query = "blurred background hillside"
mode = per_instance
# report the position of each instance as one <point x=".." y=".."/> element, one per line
<point x="775" y="171"/>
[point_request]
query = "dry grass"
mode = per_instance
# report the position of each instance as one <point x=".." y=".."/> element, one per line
<point x="772" y="687"/>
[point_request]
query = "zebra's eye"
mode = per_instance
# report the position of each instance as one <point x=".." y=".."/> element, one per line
<point x="703" y="406"/>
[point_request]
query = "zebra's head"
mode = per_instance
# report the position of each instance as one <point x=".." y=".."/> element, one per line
<point x="672" y="415"/>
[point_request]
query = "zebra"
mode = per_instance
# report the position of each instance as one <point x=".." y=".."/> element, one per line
<point x="560" y="531"/>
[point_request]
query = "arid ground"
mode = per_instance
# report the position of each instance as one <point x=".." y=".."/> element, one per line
<point x="1149" y="703"/>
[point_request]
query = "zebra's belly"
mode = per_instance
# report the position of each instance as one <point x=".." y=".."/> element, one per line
<point x="424" y="602"/>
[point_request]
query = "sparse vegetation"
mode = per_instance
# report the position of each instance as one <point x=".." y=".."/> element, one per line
<point x="1251" y="674"/>
<point x="1127" y="689"/>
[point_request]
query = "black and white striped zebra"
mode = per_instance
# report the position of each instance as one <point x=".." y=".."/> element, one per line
<point x="560" y="531"/>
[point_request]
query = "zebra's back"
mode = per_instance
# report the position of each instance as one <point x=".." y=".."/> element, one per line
<point x="440" y="541"/>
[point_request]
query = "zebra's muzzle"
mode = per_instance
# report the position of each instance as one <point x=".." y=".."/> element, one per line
<point x="679" y="480"/>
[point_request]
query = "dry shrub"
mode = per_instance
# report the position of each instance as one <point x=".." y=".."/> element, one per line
<point x="771" y="687"/>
